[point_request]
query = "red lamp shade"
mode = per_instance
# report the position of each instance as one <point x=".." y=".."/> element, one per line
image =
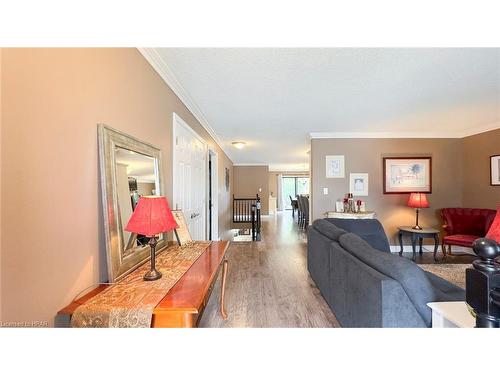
<point x="418" y="200"/>
<point x="152" y="216"/>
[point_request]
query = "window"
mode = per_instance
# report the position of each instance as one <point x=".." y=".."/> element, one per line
<point x="293" y="186"/>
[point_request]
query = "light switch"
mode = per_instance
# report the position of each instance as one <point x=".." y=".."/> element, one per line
<point x="325" y="191"/>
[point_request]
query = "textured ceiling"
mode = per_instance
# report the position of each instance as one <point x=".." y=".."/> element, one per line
<point x="274" y="98"/>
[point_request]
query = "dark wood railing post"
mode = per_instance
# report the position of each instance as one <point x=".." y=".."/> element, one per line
<point x="258" y="207"/>
<point x="253" y="224"/>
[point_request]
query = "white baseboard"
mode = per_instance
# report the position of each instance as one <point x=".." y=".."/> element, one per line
<point x="408" y="249"/>
<point x="430" y="249"/>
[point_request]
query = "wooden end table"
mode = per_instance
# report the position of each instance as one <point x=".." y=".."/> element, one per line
<point x="418" y="234"/>
<point x="451" y="315"/>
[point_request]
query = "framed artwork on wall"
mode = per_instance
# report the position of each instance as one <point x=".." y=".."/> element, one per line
<point x="335" y="166"/>
<point x="358" y="184"/>
<point x="182" y="233"/>
<point x="407" y="175"/>
<point x="495" y="170"/>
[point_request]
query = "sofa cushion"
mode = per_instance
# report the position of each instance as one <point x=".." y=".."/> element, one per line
<point x="328" y="229"/>
<point x="494" y="231"/>
<point x="412" y="278"/>
<point x="368" y="229"/>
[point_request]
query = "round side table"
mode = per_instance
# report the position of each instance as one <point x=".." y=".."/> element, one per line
<point x="418" y="234"/>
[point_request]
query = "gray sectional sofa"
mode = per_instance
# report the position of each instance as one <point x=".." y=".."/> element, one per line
<point x="364" y="284"/>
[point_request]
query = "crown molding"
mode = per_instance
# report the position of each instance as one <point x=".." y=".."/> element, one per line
<point x="290" y="170"/>
<point x="161" y="67"/>
<point x="275" y="167"/>
<point x="481" y="129"/>
<point x="289" y="167"/>
<point x="250" y="165"/>
<point x="324" y="135"/>
<point x="459" y="134"/>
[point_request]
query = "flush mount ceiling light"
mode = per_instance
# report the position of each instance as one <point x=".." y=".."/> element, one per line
<point x="239" y="145"/>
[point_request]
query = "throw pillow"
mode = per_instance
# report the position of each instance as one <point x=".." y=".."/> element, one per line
<point x="494" y="232"/>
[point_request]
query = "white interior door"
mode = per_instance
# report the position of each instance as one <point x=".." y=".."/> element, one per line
<point x="189" y="171"/>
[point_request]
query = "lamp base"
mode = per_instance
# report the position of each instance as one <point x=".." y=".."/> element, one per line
<point x="152" y="275"/>
<point x="417" y="227"/>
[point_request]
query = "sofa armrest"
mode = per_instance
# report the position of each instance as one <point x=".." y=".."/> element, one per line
<point x="318" y="258"/>
<point x="447" y="230"/>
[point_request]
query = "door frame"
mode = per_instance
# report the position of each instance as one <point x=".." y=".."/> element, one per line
<point x="178" y="121"/>
<point x="214" y="157"/>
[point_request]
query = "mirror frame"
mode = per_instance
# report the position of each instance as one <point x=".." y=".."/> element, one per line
<point x="109" y="139"/>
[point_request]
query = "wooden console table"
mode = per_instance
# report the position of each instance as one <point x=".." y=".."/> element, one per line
<point x="183" y="305"/>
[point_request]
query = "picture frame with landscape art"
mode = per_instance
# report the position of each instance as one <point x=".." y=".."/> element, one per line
<point x="495" y="170"/>
<point x="403" y="175"/>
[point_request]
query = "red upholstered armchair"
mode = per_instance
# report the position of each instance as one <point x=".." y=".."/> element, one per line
<point x="464" y="225"/>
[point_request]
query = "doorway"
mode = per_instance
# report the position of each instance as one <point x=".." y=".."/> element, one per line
<point x="213" y="196"/>
<point x="189" y="177"/>
<point x="293" y="186"/>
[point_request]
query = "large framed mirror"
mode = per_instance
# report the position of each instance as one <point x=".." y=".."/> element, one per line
<point x="129" y="169"/>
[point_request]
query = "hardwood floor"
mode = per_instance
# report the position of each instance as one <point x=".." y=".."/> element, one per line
<point x="268" y="284"/>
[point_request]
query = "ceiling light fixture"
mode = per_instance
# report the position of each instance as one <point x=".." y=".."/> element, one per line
<point x="239" y="145"/>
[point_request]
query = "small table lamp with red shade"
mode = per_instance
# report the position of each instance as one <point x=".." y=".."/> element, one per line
<point x="151" y="217"/>
<point x="418" y="201"/>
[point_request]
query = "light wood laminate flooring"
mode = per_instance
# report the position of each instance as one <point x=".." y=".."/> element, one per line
<point x="268" y="284"/>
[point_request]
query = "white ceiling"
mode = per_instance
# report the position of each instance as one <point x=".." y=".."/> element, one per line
<point x="273" y="99"/>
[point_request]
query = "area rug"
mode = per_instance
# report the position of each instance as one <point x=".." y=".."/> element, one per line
<point x="130" y="302"/>
<point x="454" y="273"/>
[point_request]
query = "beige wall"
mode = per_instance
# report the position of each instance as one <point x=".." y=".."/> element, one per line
<point x="145" y="188"/>
<point x="273" y="184"/>
<point x="365" y="155"/>
<point x="52" y="100"/>
<point x="477" y="149"/>
<point x="247" y="182"/>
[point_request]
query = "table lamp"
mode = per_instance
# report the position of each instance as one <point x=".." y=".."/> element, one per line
<point x="418" y="201"/>
<point x="151" y="217"/>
